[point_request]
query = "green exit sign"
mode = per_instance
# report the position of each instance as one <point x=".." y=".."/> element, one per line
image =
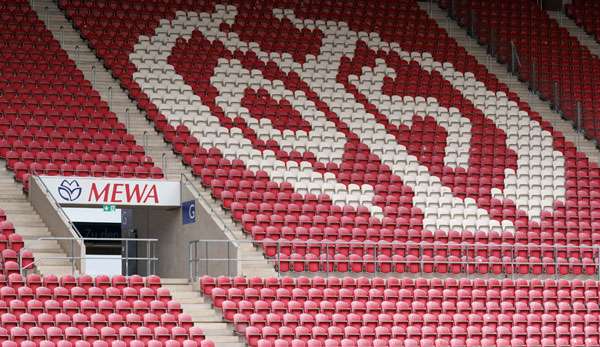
<point x="109" y="208"/>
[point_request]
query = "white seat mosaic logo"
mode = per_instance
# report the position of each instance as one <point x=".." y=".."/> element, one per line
<point x="441" y="208"/>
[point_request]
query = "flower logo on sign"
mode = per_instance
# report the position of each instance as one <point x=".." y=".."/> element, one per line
<point x="69" y="190"/>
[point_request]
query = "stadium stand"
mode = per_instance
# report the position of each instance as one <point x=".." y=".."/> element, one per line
<point x="542" y="44"/>
<point x="52" y="121"/>
<point x="326" y="173"/>
<point x="407" y="312"/>
<point x="342" y="137"/>
<point x="86" y="311"/>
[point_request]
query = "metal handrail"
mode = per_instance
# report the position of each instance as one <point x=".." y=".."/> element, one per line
<point x="99" y="239"/>
<point x="208" y="205"/>
<point x="194" y="260"/>
<point x="414" y="243"/>
<point x="57" y="206"/>
<point x="76" y="235"/>
<point x="151" y="258"/>
<point x="515" y="61"/>
<point x="164" y="162"/>
<point x="516" y="51"/>
<point x="467" y="261"/>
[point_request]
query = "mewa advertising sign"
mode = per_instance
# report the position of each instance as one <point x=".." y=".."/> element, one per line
<point x="112" y="191"/>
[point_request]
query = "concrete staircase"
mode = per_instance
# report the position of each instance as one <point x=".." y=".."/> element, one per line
<point x="542" y="107"/>
<point x="202" y="312"/>
<point x="576" y="31"/>
<point x="252" y="261"/>
<point x="30" y="225"/>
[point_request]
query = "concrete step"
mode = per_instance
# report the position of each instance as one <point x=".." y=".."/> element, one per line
<point x="58" y="270"/>
<point x="8" y="179"/>
<point x="214" y="326"/>
<point x="177" y="286"/>
<point x="51" y="258"/>
<point x="226" y="339"/>
<point x="185" y="301"/>
<point x="206" y="317"/>
<point x="185" y="295"/>
<point x="26" y="219"/>
<point x="41" y="245"/>
<point x="198" y="305"/>
<point x="203" y="314"/>
<point x="34" y="232"/>
<point x="17" y="209"/>
<point x="169" y="281"/>
<point x="8" y="196"/>
<point x="18" y="203"/>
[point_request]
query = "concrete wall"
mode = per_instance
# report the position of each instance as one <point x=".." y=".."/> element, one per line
<point x="56" y="221"/>
<point x="174" y="237"/>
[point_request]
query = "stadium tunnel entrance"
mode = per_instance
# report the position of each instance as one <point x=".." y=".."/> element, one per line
<point x="124" y="226"/>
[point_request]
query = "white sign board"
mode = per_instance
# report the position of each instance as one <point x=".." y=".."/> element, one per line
<point x="92" y="214"/>
<point x="112" y="191"/>
<point x="100" y="264"/>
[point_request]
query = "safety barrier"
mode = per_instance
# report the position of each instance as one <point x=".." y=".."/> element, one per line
<point x="148" y="247"/>
<point x="467" y="259"/>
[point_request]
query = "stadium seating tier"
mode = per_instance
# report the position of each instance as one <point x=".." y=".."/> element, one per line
<point x="86" y="311"/>
<point x="335" y="126"/>
<point x="407" y="312"/>
<point x="339" y="142"/>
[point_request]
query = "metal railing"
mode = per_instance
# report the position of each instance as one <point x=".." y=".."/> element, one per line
<point x="230" y="246"/>
<point x="224" y="261"/>
<point x="468" y="259"/>
<point x="150" y="259"/>
<point x="515" y="60"/>
<point x="59" y="208"/>
<point x="164" y="162"/>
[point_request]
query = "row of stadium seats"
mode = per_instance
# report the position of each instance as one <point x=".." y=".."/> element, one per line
<point x="23" y="170"/>
<point x="472" y="312"/>
<point x="98" y="321"/>
<point x="102" y="282"/>
<point x="207" y="283"/>
<point x="28" y="157"/>
<point x="108" y="343"/>
<point x="438" y="264"/>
